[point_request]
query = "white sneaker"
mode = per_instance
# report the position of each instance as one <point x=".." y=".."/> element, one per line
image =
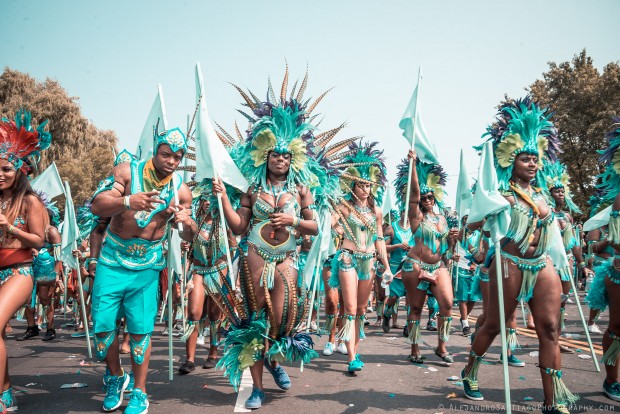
<point x="313" y="326"/>
<point x="594" y="329"/>
<point x="200" y="340"/>
<point x="329" y="349"/>
<point x="569" y="300"/>
<point x="342" y="348"/>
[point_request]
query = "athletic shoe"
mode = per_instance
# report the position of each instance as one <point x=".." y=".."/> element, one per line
<point x="431" y="325"/>
<point x="115" y="388"/>
<point x="359" y="358"/>
<point x="385" y="324"/>
<point x="49" y="334"/>
<point x="279" y="375"/>
<point x="612" y="390"/>
<point x="187" y="367"/>
<point x="138" y="403"/>
<point x="313" y="326"/>
<point x="355" y="366"/>
<point x="210" y="363"/>
<point x="200" y="340"/>
<point x="8" y="400"/>
<point x="406" y="330"/>
<point x="256" y="400"/>
<point x="513" y="361"/>
<point x="342" y="348"/>
<point x="31" y="332"/>
<point x="471" y="388"/>
<point x="131" y="382"/>
<point x="566" y="350"/>
<point x="466" y="330"/>
<point x="594" y="329"/>
<point x="329" y="349"/>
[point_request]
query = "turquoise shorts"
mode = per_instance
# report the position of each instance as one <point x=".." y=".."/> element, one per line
<point x="465" y="291"/>
<point x="397" y="288"/>
<point x="122" y="292"/>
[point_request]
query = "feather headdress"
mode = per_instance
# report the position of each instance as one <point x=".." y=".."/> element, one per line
<point x="556" y="176"/>
<point x="124" y="156"/>
<point x="363" y="164"/>
<point x="51" y="208"/>
<point x="20" y="141"/>
<point x="610" y="178"/>
<point x="282" y="125"/>
<point x="86" y="221"/>
<point x="521" y="126"/>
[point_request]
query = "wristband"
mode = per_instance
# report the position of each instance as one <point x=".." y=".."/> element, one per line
<point x="126" y="202"/>
<point x="581" y="265"/>
<point x="90" y="260"/>
<point x="296" y="221"/>
<point x="10" y="229"/>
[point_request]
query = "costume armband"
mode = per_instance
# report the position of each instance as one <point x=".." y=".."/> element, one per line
<point x="105" y="185"/>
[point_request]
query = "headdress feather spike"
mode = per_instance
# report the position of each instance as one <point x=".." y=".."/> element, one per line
<point x="284" y="85"/>
<point x="302" y="88"/>
<point x="245" y="97"/>
<point x="323" y="138"/>
<point x="319" y="99"/>
<point x="271" y="96"/>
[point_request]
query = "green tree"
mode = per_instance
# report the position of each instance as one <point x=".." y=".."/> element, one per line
<point x="82" y="152"/>
<point x="583" y="101"/>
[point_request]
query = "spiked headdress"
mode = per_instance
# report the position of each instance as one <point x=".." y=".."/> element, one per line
<point x="521" y="126"/>
<point x="556" y="176"/>
<point x="610" y="178"/>
<point x="124" y="156"/>
<point x="283" y="125"/>
<point x="174" y="137"/>
<point x="432" y="179"/>
<point x="19" y="140"/>
<point x="363" y="164"/>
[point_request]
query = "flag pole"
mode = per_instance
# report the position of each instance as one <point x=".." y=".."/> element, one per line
<point x="502" y="317"/>
<point x="415" y="121"/>
<point x="584" y="324"/>
<point x="170" y="307"/>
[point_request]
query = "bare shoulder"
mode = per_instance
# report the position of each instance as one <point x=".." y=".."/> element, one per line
<point x="32" y="203"/>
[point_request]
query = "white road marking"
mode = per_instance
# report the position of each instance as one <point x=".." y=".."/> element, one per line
<point x="245" y="390"/>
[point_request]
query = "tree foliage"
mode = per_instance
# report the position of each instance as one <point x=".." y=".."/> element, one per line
<point x="82" y="152"/>
<point x="583" y="101"/>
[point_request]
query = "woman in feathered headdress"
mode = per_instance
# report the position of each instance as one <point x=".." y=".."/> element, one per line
<point x="424" y="267"/>
<point x="605" y="289"/>
<point x="556" y="182"/>
<point x="522" y="137"/>
<point x="211" y="294"/>
<point x="359" y="220"/>
<point x="23" y="221"/>
<point x="47" y="270"/>
<point x="278" y="208"/>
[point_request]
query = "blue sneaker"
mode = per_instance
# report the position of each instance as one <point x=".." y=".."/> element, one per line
<point x="138" y="403"/>
<point x="279" y="375"/>
<point x="256" y="400"/>
<point x="355" y="366"/>
<point x="8" y="400"/>
<point x="359" y="358"/>
<point x="131" y="383"/>
<point x="471" y="388"/>
<point x="115" y="388"/>
<point x="611" y="390"/>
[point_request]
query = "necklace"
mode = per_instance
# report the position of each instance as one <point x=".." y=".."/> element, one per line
<point x="362" y="209"/>
<point x="4" y="204"/>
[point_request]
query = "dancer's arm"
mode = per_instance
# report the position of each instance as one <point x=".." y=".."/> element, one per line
<point x="238" y="220"/>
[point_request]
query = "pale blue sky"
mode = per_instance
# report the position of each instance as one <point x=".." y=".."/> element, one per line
<point x="112" y="55"/>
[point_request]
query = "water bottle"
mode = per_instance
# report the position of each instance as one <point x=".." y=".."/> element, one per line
<point x="589" y="281"/>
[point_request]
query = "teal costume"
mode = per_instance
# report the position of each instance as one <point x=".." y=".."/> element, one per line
<point x="128" y="269"/>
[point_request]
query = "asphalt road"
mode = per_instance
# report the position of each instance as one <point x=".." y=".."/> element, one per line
<point x="387" y="383"/>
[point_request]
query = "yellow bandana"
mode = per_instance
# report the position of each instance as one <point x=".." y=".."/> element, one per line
<point x="150" y="182"/>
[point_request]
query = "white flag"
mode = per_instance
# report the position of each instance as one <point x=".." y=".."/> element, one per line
<point x="49" y="182"/>
<point x="158" y="113"/>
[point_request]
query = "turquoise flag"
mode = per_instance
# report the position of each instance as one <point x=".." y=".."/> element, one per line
<point x="49" y="182"/>
<point x="212" y="158"/>
<point x="70" y="232"/>
<point x="174" y="252"/>
<point x="487" y="201"/>
<point x="158" y="113"/>
<point x="599" y="220"/>
<point x="463" y="191"/>
<point x="413" y="128"/>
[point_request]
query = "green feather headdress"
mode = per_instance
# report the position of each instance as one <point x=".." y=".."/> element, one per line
<point x="556" y="176"/>
<point x="86" y="221"/>
<point x="364" y="164"/>
<point x="521" y="126"/>
<point x="610" y="178"/>
<point x="431" y="179"/>
<point x="282" y="125"/>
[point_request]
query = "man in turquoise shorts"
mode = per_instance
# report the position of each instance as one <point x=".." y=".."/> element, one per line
<point x="138" y="196"/>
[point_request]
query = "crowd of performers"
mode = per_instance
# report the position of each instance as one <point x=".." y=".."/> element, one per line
<point x="311" y="216"/>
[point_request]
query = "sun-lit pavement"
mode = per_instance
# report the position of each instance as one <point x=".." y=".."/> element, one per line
<point x="388" y="381"/>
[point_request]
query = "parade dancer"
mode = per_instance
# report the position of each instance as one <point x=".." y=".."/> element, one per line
<point x="139" y="198"/>
<point x="210" y="283"/>
<point x="277" y="209"/>
<point x="605" y="289"/>
<point x="424" y="267"/>
<point x="465" y="294"/>
<point x="560" y="198"/>
<point x="49" y="279"/>
<point x="522" y="137"/>
<point x="23" y="221"/>
<point x="359" y="220"/>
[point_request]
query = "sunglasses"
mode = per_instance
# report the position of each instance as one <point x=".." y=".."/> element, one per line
<point x="429" y="197"/>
